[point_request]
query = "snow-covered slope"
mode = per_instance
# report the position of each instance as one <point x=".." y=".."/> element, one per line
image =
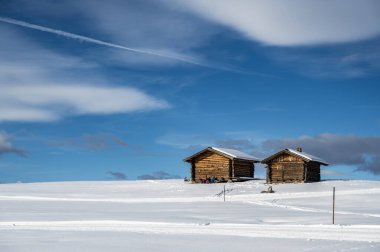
<point x="171" y="215"/>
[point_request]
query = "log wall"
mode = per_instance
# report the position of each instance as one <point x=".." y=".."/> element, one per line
<point x="243" y="168"/>
<point x="211" y="164"/>
<point x="286" y="168"/>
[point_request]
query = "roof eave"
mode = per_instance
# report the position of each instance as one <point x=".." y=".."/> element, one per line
<point x="268" y="159"/>
<point x="188" y="159"/>
<point x="322" y="163"/>
<point x="307" y="159"/>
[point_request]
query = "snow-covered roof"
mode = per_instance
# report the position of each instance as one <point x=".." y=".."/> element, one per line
<point x="305" y="156"/>
<point x="231" y="153"/>
<point x="236" y="153"/>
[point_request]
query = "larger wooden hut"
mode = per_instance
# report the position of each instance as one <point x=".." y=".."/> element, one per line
<point x="221" y="163"/>
<point x="289" y="166"/>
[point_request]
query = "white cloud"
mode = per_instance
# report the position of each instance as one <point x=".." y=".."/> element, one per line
<point x="129" y="33"/>
<point x="158" y="53"/>
<point x="146" y="33"/>
<point x="147" y="24"/>
<point x="25" y="114"/>
<point x="292" y="22"/>
<point x="242" y="140"/>
<point x="345" y="61"/>
<point x="185" y="141"/>
<point x="38" y="84"/>
<point x="38" y="102"/>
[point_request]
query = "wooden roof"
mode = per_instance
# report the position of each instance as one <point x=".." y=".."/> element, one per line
<point x="304" y="156"/>
<point x="229" y="153"/>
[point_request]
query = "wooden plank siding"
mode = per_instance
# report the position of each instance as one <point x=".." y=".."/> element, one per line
<point x="289" y="169"/>
<point x="221" y="163"/>
<point x="289" y="166"/>
<point x="286" y="168"/>
<point x="211" y="164"/>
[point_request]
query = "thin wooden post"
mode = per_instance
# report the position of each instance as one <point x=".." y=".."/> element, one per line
<point x="224" y="193"/>
<point x="333" y="217"/>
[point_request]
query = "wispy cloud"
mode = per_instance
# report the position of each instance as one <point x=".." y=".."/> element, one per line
<point x="292" y="22"/>
<point x="158" y="175"/>
<point x="95" y="142"/>
<point x="118" y="175"/>
<point x="186" y="141"/>
<point x="332" y="173"/>
<point x="239" y="144"/>
<point x="37" y="102"/>
<point x="355" y="60"/>
<point x="41" y="85"/>
<point x="235" y="140"/>
<point x="336" y="30"/>
<point x="167" y="54"/>
<point x="6" y="145"/>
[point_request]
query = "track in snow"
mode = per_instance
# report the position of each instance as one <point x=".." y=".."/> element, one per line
<point x="309" y="209"/>
<point x="368" y="233"/>
<point x="300" y="195"/>
<point x="111" y="200"/>
<point x="235" y="198"/>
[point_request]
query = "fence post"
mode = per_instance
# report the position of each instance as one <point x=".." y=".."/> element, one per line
<point x="333" y="217"/>
<point x="224" y="193"/>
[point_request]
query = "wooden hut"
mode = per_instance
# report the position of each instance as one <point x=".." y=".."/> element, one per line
<point x="221" y="163"/>
<point x="289" y="166"/>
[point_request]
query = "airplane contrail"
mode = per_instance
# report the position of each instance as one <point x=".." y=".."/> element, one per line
<point x="96" y="41"/>
<point x="136" y="50"/>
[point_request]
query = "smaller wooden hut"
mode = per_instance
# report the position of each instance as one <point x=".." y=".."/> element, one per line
<point x="290" y="166"/>
<point x="222" y="164"/>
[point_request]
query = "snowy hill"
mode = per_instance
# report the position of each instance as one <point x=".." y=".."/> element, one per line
<point x="171" y="215"/>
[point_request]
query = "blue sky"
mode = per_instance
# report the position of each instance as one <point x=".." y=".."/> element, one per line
<point x="94" y="90"/>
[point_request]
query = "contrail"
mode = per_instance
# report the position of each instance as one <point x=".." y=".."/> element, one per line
<point x="143" y="51"/>
<point x="95" y="41"/>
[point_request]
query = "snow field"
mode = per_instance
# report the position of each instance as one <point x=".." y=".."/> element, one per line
<point x="295" y="216"/>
